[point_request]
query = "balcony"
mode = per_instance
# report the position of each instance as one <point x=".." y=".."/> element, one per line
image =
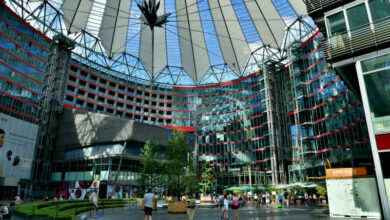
<point x="315" y="6"/>
<point x="365" y="39"/>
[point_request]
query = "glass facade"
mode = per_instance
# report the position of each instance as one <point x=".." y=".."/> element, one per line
<point x="23" y="59"/>
<point x="247" y="129"/>
<point x="325" y="119"/>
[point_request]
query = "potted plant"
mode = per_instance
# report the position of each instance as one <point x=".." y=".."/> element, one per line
<point x="323" y="193"/>
<point x="299" y="195"/>
<point x="206" y="182"/>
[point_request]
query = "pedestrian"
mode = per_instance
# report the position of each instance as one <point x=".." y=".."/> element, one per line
<point x="280" y="195"/>
<point x="306" y="197"/>
<point x="256" y="199"/>
<point x="226" y="207"/>
<point x="267" y="198"/>
<point x="148" y="198"/>
<point x="191" y="207"/>
<point x="94" y="198"/>
<point x="286" y="198"/>
<point x="221" y="205"/>
<point x="5" y="213"/>
<point x="235" y="207"/>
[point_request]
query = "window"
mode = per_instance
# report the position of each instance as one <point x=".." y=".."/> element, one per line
<point x="357" y="17"/>
<point x="378" y="88"/>
<point x="336" y="24"/>
<point x="379" y="9"/>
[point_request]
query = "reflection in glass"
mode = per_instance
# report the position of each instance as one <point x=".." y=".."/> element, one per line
<point x="336" y="24"/>
<point x="357" y="16"/>
<point x="378" y="92"/>
<point x="379" y="9"/>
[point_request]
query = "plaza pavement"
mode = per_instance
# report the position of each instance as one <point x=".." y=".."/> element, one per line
<point x="246" y="213"/>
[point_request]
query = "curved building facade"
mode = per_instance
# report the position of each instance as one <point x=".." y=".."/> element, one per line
<point x="274" y="126"/>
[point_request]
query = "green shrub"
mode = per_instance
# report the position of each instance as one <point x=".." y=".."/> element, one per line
<point x="322" y="190"/>
<point x="66" y="209"/>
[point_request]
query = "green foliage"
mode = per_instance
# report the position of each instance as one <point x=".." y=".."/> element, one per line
<point x="241" y="192"/>
<point x="259" y="189"/>
<point x="271" y="188"/>
<point x="67" y="209"/>
<point x="151" y="167"/>
<point x="322" y="190"/>
<point x="206" y="180"/>
<point x="298" y="190"/>
<point x="179" y="166"/>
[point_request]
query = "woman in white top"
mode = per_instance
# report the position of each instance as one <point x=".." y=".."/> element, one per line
<point x="225" y="207"/>
<point x="256" y="199"/>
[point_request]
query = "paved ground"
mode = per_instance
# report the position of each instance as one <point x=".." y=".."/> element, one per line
<point x="296" y="212"/>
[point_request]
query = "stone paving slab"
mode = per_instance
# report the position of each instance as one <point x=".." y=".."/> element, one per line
<point x="299" y="213"/>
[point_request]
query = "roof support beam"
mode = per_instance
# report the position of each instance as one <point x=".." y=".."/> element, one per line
<point x="114" y="28"/>
<point x="194" y="54"/>
<point x="268" y="22"/>
<point x="76" y="13"/>
<point x="235" y="48"/>
<point x="153" y="50"/>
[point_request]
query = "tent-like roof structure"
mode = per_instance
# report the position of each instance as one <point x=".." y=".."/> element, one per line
<point x="191" y="38"/>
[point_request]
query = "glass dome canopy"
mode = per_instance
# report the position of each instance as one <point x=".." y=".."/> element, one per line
<point x="172" y="42"/>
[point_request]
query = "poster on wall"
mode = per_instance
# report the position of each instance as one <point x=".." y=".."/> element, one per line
<point x="114" y="192"/>
<point x="82" y="189"/>
<point x="17" y="145"/>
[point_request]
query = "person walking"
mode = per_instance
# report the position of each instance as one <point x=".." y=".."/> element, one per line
<point x="280" y="195"/>
<point x="148" y="198"/>
<point x="235" y="207"/>
<point x="93" y="198"/>
<point x="191" y="207"/>
<point x="267" y="198"/>
<point x="221" y="205"/>
<point x="306" y="197"/>
<point x="256" y="200"/>
<point x="286" y="198"/>
<point x="225" y="207"/>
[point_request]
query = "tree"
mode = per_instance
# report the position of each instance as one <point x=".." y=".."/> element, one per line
<point x="206" y="180"/>
<point x="179" y="165"/>
<point x="151" y="166"/>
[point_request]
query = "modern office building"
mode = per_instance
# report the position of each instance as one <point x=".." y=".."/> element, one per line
<point x="357" y="46"/>
<point x="250" y="82"/>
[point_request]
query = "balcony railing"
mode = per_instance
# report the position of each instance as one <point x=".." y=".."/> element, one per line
<point x="365" y="39"/>
<point x="323" y="5"/>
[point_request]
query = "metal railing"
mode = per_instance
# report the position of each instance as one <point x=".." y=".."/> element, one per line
<point x="317" y="5"/>
<point x="359" y="41"/>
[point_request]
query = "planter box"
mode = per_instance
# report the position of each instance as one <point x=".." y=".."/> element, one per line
<point x="299" y="201"/>
<point x="154" y="204"/>
<point x="206" y="198"/>
<point x="324" y="201"/>
<point x="177" y="207"/>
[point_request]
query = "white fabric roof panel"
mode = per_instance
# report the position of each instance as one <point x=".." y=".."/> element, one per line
<point x="299" y="7"/>
<point x="76" y="13"/>
<point x="114" y="27"/>
<point x="268" y="22"/>
<point x="153" y="52"/>
<point x="193" y="50"/>
<point x="234" y="46"/>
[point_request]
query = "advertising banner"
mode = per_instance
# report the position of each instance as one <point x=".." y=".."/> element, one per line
<point x="17" y="146"/>
<point x="79" y="190"/>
